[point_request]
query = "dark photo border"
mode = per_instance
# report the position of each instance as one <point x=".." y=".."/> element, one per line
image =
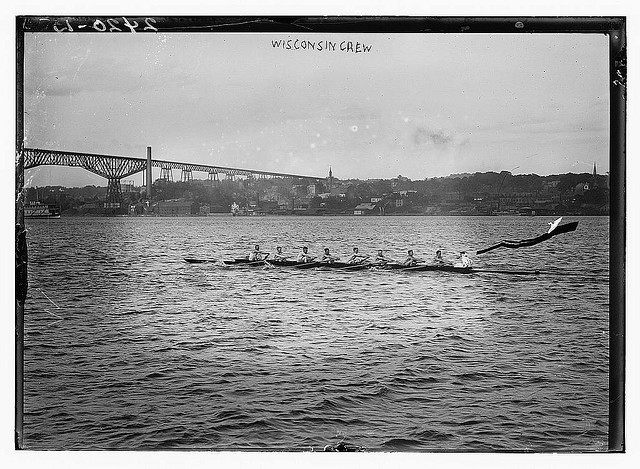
<point x="613" y="27"/>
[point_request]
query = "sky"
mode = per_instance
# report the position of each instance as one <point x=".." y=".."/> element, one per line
<point x="419" y="105"/>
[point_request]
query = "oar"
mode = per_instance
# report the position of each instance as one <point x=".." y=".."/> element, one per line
<point x="508" y="272"/>
<point x="412" y="267"/>
<point x="385" y="262"/>
<point x="354" y="267"/>
<point x="363" y="259"/>
<point x="385" y="265"/>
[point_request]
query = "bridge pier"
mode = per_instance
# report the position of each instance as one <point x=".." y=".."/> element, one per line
<point x="166" y="173"/>
<point x="149" y="174"/>
<point x="186" y="175"/>
<point x="113" y="202"/>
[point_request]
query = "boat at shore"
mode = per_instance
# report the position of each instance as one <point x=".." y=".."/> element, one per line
<point x="40" y="210"/>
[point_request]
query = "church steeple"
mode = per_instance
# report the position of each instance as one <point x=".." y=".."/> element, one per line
<point x="595" y="176"/>
<point x="330" y="179"/>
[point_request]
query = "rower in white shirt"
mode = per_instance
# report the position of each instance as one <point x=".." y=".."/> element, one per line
<point x="465" y="261"/>
<point x="257" y="255"/>
<point x="304" y="256"/>
<point x="279" y="255"/>
<point x="357" y="258"/>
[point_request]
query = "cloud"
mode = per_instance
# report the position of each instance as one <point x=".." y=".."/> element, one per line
<point x="424" y="136"/>
<point x="89" y="74"/>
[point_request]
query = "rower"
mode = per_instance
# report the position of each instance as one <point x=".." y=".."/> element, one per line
<point x="382" y="259"/>
<point x="304" y="256"/>
<point x="328" y="258"/>
<point x="256" y="254"/>
<point x="438" y="258"/>
<point x="465" y="260"/>
<point x="356" y="258"/>
<point x="411" y="260"/>
<point x="279" y="255"/>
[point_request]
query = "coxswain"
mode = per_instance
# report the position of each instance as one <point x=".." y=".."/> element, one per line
<point x="304" y="256"/>
<point x="328" y="258"/>
<point x="279" y="255"/>
<point x="357" y="258"/>
<point x="257" y="255"/>
<point x="411" y="260"/>
<point x="381" y="259"/>
<point x="465" y="260"/>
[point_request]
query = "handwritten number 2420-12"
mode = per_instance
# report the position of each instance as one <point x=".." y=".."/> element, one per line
<point x="112" y="24"/>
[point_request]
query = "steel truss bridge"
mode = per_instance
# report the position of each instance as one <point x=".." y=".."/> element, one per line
<point x="115" y="168"/>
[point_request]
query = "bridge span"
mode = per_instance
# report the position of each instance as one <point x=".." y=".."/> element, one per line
<point x="115" y="168"/>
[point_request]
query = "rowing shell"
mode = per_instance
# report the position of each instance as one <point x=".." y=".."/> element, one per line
<point x="342" y="266"/>
<point x="191" y="260"/>
<point x="438" y="268"/>
<point x="299" y="265"/>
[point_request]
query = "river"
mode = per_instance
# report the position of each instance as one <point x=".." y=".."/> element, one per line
<point x="129" y="347"/>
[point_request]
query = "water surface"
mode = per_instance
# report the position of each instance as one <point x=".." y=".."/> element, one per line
<point x="129" y="347"/>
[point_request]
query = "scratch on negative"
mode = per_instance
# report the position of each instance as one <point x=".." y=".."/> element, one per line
<point x="219" y="25"/>
<point x="54" y="314"/>
<point x="52" y="302"/>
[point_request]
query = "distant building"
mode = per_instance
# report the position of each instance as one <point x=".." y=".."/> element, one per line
<point x="311" y="190"/>
<point x="137" y="209"/>
<point x="515" y="200"/>
<point x="127" y="187"/>
<point x="205" y="209"/>
<point x="364" y="209"/>
<point x="330" y="180"/>
<point x="173" y="208"/>
<point x="299" y="190"/>
<point x="282" y="201"/>
<point x="550" y="184"/>
<point x="407" y="193"/>
<point x="581" y="188"/>
<point x="301" y="204"/>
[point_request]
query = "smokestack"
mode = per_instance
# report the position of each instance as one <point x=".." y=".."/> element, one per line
<point x="149" y="173"/>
